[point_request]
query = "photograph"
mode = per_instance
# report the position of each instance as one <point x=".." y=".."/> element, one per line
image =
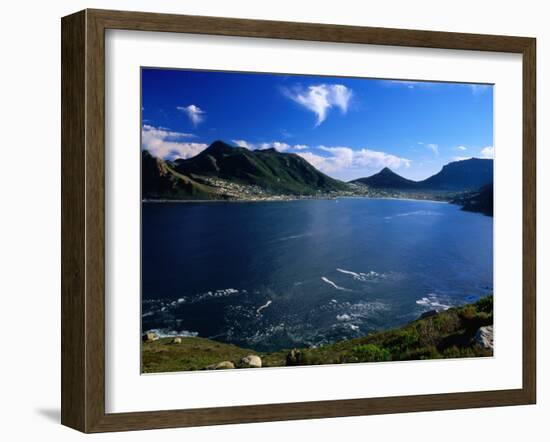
<point x="251" y="220"/>
<point x="299" y="220"/>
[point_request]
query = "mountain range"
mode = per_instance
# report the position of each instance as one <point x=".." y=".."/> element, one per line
<point x="223" y="171"/>
<point x="457" y="176"/>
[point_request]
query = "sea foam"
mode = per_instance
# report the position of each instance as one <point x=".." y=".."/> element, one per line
<point x="432" y="301"/>
<point x="333" y="284"/>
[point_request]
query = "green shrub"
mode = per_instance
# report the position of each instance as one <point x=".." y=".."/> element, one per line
<point x="370" y="353"/>
<point x="485" y="304"/>
<point x="472" y="318"/>
<point x="403" y="339"/>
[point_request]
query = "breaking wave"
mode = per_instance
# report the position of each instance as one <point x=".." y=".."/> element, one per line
<point x="167" y="333"/>
<point x="261" y="307"/>
<point x="163" y="305"/>
<point x="333" y="284"/>
<point x="287" y="238"/>
<point x="433" y="301"/>
<point x="370" y="276"/>
<point x="415" y="213"/>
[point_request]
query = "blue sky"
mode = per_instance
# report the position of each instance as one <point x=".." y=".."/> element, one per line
<point x="346" y="127"/>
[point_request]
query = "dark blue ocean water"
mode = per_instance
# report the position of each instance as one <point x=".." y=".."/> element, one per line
<point x="271" y="275"/>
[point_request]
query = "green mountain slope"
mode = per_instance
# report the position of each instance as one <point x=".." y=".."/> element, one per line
<point x="160" y="181"/>
<point x="268" y="169"/>
<point x="225" y="172"/>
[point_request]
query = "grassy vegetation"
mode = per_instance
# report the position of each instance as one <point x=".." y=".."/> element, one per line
<point x="192" y="354"/>
<point x="447" y="334"/>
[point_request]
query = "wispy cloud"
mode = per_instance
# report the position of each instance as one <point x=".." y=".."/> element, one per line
<point x="405" y="83"/>
<point x="320" y="98"/>
<point x="168" y="145"/>
<point x="277" y="145"/>
<point x="194" y="113"/>
<point x="285" y="133"/>
<point x="411" y="84"/>
<point x="487" y="152"/>
<point x="433" y="147"/>
<point x="346" y="162"/>
<point x="476" y="89"/>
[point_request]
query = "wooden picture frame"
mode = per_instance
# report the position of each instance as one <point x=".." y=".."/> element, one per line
<point x="83" y="220"/>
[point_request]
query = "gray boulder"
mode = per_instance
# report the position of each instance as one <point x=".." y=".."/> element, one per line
<point x="224" y="365"/>
<point x="149" y="337"/>
<point x="251" y="361"/>
<point x="484" y="337"/>
<point x="176" y="340"/>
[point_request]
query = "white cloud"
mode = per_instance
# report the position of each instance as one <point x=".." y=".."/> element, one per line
<point x="317" y="161"/>
<point x="167" y="145"/>
<point x="344" y="161"/>
<point x="195" y="113"/>
<point x="322" y="97"/>
<point x="244" y="143"/>
<point x="373" y="158"/>
<point x="406" y="83"/>
<point x="433" y="147"/>
<point x="277" y="145"/>
<point x="488" y="152"/>
<point x="410" y="84"/>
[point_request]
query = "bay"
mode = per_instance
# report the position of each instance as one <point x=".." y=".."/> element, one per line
<point x="272" y="275"/>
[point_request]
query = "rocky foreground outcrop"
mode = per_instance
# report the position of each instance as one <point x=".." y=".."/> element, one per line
<point x="224" y="365"/>
<point x="484" y="337"/>
<point x="250" y="361"/>
<point x="149" y="337"/>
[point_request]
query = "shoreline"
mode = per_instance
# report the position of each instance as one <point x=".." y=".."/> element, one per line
<point x="452" y="333"/>
<point x="290" y="199"/>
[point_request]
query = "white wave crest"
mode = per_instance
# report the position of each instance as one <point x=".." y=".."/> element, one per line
<point x="364" y="277"/>
<point x="261" y="307"/>
<point x="432" y="301"/>
<point x="166" y="333"/>
<point x="300" y="235"/>
<point x="348" y="272"/>
<point x="221" y="293"/>
<point x="343" y="318"/>
<point x="333" y="284"/>
<point x="415" y="213"/>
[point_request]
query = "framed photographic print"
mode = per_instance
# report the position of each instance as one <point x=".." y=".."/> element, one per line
<point x="268" y="221"/>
